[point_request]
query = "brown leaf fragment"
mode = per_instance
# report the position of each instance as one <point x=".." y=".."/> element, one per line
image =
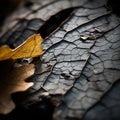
<point x="11" y="81"/>
<point x="88" y="36"/>
<point x="97" y="30"/>
<point x="84" y="37"/>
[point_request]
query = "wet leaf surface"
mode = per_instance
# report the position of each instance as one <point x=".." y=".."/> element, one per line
<point x="81" y="71"/>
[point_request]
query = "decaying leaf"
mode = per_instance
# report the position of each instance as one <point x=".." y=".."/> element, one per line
<point x="13" y="80"/>
<point x="30" y="48"/>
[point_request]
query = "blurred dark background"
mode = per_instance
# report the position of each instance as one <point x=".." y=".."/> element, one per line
<point x="115" y="6"/>
<point x="7" y="7"/>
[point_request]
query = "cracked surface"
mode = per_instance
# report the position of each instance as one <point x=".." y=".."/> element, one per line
<point x="109" y="104"/>
<point x="81" y="60"/>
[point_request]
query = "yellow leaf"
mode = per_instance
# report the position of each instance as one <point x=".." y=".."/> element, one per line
<point x="30" y="48"/>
